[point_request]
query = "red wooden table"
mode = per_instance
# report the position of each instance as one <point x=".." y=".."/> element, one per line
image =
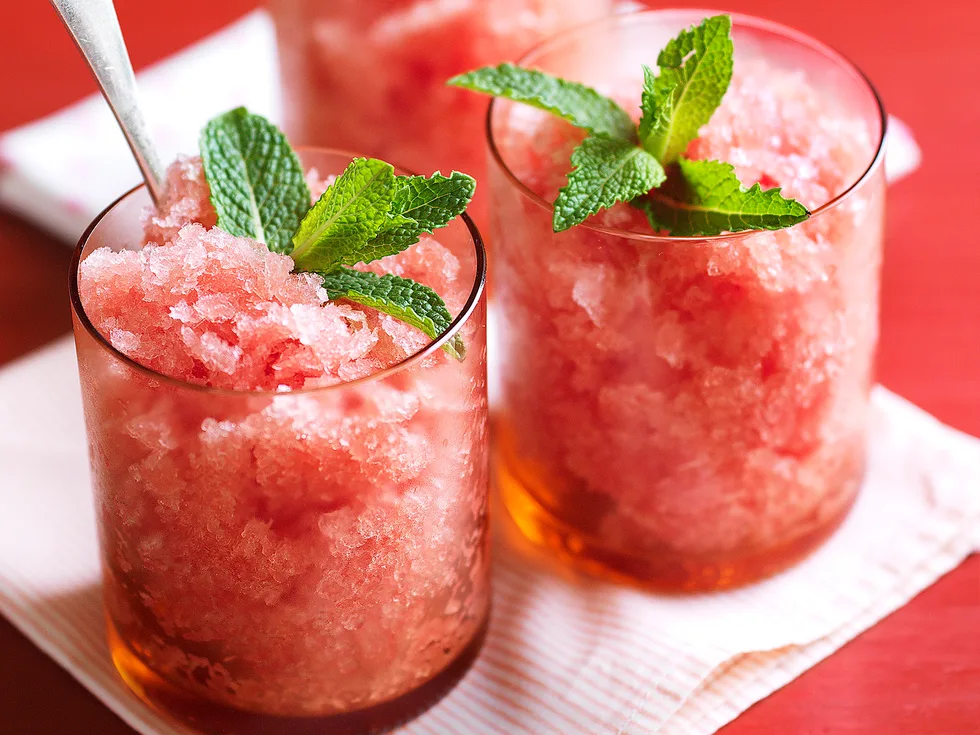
<point x="918" y="671"/>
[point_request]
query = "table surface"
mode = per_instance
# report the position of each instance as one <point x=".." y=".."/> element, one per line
<point x="918" y="671"/>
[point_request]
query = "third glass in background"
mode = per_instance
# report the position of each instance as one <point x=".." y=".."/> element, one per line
<point x="370" y="75"/>
<point x="690" y="412"/>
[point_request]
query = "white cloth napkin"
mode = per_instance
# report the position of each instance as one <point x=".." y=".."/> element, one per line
<point x="565" y="654"/>
<point x="64" y="169"/>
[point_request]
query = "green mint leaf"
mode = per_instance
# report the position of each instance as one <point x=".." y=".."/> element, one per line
<point x="708" y="199"/>
<point x="435" y="201"/>
<point x="695" y="70"/>
<point x="580" y="105"/>
<point x="651" y="111"/>
<point x="369" y="213"/>
<point x="423" y="204"/>
<point x="256" y="180"/>
<point x="338" y="230"/>
<point x="605" y="171"/>
<point x="402" y="298"/>
<point x="396" y="234"/>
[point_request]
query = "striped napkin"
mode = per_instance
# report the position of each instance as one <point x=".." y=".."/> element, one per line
<point x="565" y="654"/>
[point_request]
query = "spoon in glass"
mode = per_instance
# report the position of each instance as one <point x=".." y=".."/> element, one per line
<point x="94" y="26"/>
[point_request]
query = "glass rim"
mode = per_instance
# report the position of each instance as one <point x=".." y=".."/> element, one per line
<point x="469" y="307"/>
<point x="742" y="19"/>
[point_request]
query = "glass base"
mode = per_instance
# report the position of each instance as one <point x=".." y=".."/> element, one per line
<point x="211" y="717"/>
<point x="662" y="570"/>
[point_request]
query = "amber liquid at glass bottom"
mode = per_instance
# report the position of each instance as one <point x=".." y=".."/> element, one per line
<point x="689" y="414"/>
<point x="311" y="561"/>
<point x="211" y="717"/>
<point x="559" y="528"/>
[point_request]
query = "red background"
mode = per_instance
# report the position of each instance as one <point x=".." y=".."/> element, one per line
<point x="916" y="672"/>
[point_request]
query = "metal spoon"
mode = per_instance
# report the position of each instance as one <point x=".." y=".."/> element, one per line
<point x="94" y="26"/>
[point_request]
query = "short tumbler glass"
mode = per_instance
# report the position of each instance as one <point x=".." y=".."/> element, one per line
<point x="300" y="562"/>
<point x="665" y="421"/>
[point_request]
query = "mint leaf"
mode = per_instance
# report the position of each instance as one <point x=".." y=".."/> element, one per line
<point x="396" y="234"/>
<point x="423" y="204"/>
<point x="708" y="199"/>
<point x="256" y="180"/>
<point x="580" y="105"/>
<point x="435" y="201"/>
<point x="695" y="71"/>
<point x="338" y="229"/>
<point x="652" y="113"/>
<point x="402" y="298"/>
<point x="606" y="171"/>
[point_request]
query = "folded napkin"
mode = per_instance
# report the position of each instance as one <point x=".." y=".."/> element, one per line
<point x="565" y="654"/>
<point x="47" y="176"/>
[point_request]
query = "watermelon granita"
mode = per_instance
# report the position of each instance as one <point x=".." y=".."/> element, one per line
<point x="369" y="75"/>
<point x="291" y="492"/>
<point x="690" y="413"/>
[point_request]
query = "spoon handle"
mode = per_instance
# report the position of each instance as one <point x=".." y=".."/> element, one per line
<point x="94" y="26"/>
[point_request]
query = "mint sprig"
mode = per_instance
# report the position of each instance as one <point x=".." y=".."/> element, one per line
<point x="606" y="171"/>
<point x="259" y="191"/>
<point x="708" y="199"/>
<point x="580" y="105"/>
<point x="695" y="71"/>
<point x="644" y="164"/>
<point x="423" y="204"/>
<point x="402" y="298"/>
<point x="339" y="228"/>
<point x="256" y="180"/>
<point x="435" y="201"/>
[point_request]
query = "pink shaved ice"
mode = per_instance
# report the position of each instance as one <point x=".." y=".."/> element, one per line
<point x="702" y="398"/>
<point x="289" y="554"/>
<point x="187" y="199"/>
<point x="206" y="307"/>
